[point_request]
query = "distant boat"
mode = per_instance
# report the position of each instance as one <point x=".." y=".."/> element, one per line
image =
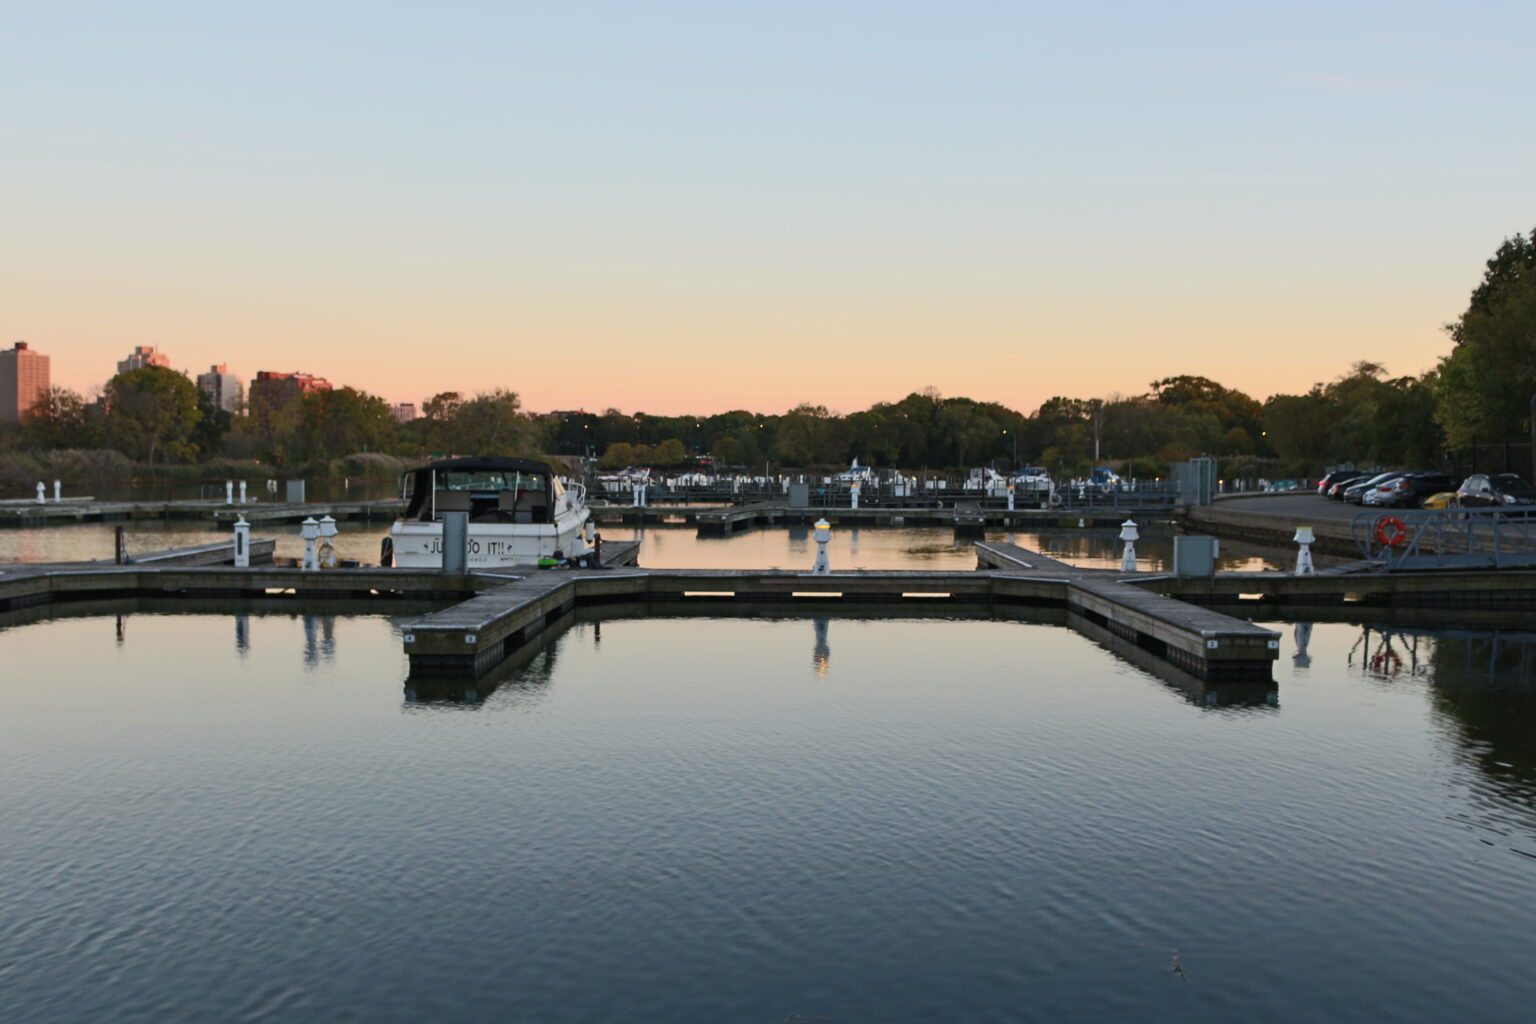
<point x="1032" y="478"/>
<point x="855" y="474"/>
<point x="519" y="512"/>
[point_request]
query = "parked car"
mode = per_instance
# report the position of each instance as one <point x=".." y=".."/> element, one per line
<point x="1502" y="490"/>
<point x="1354" y="493"/>
<point x="1338" y="476"/>
<point x="1441" y="501"/>
<point x="1410" y="489"/>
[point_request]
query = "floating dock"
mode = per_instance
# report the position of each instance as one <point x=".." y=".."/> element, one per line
<point x="967" y="517"/>
<point x="486" y="618"/>
<point x="89" y="510"/>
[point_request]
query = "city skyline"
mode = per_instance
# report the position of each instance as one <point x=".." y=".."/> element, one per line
<point x="694" y="209"/>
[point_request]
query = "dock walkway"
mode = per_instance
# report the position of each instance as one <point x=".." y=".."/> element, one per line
<point x="88" y="510"/>
<point x="1180" y="622"/>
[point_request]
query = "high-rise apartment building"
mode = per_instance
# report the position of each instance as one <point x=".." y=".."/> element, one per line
<point x="24" y="379"/>
<point x="142" y="356"/>
<point x="224" y="389"/>
<point x="403" y="412"/>
<point x="271" y="388"/>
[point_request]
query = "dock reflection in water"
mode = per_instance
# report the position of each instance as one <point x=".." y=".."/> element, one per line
<point x="959" y="819"/>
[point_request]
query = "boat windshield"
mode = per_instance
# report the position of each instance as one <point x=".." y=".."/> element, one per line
<point x="489" y="480"/>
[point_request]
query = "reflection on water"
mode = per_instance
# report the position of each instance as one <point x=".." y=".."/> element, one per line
<point x="675" y="818"/>
<point x="1480" y="682"/>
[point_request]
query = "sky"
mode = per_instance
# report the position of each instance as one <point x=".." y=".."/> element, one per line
<point x="696" y="207"/>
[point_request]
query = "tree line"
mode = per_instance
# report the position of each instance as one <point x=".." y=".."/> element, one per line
<point x="1480" y="390"/>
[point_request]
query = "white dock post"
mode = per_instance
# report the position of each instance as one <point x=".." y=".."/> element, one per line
<point x="822" y="534"/>
<point x="310" y="531"/>
<point x="229" y="492"/>
<point x="326" y="552"/>
<point x="242" y="544"/>
<point x="854" y="492"/>
<point x="1304" y="538"/>
<point x="41" y="490"/>
<point x="1010" y="497"/>
<point x="1130" y="535"/>
<point x="58" y="492"/>
<point x="242" y="492"/>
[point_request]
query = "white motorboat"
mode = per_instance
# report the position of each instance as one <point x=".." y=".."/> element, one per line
<point x="519" y="513"/>
<point x="855" y="474"/>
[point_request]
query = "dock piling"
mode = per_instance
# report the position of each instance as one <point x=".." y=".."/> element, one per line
<point x="242" y="543"/>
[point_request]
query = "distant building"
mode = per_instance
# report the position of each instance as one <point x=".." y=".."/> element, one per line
<point x="403" y="412"/>
<point x="24" y="379"/>
<point x="142" y="356"/>
<point x="561" y="415"/>
<point x="271" y="388"/>
<point x="224" y="389"/>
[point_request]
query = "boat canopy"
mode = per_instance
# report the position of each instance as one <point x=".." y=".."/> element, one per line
<point x="492" y="487"/>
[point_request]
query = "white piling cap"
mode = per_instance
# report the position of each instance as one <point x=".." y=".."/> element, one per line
<point x="1128" y="530"/>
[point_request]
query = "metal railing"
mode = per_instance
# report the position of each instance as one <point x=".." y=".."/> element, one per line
<point x="1450" y="539"/>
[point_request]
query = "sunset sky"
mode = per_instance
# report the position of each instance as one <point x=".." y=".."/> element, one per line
<point x="692" y="207"/>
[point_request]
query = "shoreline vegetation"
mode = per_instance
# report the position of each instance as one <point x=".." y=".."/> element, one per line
<point x="154" y="423"/>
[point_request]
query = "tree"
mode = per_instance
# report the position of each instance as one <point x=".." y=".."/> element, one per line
<point x="60" y="418"/>
<point x="152" y="412"/>
<point x="214" y="426"/>
<point x="343" y="421"/>
<point x="1501" y="275"/>
<point x="1486" y="383"/>
<point x="438" y="413"/>
<point x="491" y="424"/>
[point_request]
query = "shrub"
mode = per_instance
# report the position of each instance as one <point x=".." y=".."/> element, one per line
<point x="85" y="465"/>
<point x="19" y="474"/>
<point x="372" y="464"/>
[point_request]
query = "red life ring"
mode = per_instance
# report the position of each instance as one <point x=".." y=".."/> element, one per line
<point x="1391" y="531"/>
<point x="1387" y="663"/>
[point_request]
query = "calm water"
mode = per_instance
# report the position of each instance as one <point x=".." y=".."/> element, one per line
<point x="672" y="547"/>
<point x="212" y="818"/>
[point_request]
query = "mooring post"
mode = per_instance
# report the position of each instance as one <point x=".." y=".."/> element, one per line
<point x="821" y="536"/>
<point x="854" y="493"/>
<point x="242" y="492"/>
<point x="41" y="490"/>
<point x="1304" y="537"/>
<point x="119" y="546"/>
<point x="229" y="492"/>
<point x="1130" y="535"/>
<point x="58" y="491"/>
<point x="455" y="542"/>
<point x="242" y="543"/>
<point x="1010" y="497"/>
<point x="310" y="531"/>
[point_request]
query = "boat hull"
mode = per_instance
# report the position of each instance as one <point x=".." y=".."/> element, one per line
<point x="419" y="545"/>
